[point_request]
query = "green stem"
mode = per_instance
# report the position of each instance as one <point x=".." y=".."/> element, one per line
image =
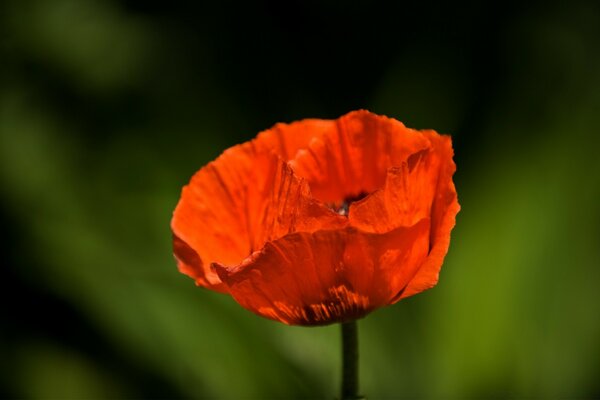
<point x="350" y="361"/>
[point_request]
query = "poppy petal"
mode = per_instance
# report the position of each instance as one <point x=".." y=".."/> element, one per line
<point x="189" y="263"/>
<point x="406" y="197"/>
<point x="353" y="158"/>
<point x="443" y="217"/>
<point x="286" y="139"/>
<point x="327" y="276"/>
<point x="287" y="207"/>
<point x="235" y="204"/>
<point x="208" y="219"/>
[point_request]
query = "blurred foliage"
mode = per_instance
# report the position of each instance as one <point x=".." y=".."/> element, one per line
<point x="107" y="108"/>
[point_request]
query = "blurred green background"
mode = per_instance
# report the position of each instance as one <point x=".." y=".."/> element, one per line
<point x="107" y="108"/>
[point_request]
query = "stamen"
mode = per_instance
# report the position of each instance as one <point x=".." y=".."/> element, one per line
<point x="344" y="207"/>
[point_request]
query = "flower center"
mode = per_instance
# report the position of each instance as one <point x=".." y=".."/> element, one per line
<point x="343" y="207"/>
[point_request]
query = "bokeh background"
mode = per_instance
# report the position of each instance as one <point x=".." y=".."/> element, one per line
<point x="107" y="108"/>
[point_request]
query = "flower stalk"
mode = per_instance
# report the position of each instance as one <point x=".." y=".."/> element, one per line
<point x="350" y="361"/>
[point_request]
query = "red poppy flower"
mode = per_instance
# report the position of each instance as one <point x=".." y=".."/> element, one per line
<point x="320" y="221"/>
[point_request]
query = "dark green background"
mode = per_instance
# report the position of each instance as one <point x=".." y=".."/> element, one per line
<point x="107" y="108"/>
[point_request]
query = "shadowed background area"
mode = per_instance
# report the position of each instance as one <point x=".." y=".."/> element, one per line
<point x="107" y="108"/>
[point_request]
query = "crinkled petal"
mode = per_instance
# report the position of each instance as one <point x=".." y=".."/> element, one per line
<point x="406" y="197"/>
<point x="209" y="219"/>
<point x="190" y="263"/>
<point x="420" y="187"/>
<point x="353" y="158"/>
<point x="443" y="216"/>
<point x="327" y="276"/>
<point x="287" y="207"/>
<point x="235" y="204"/>
<point x="286" y="140"/>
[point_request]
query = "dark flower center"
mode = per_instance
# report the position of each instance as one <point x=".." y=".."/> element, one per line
<point x="343" y="207"/>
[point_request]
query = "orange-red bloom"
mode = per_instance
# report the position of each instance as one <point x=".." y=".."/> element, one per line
<point x="320" y="221"/>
